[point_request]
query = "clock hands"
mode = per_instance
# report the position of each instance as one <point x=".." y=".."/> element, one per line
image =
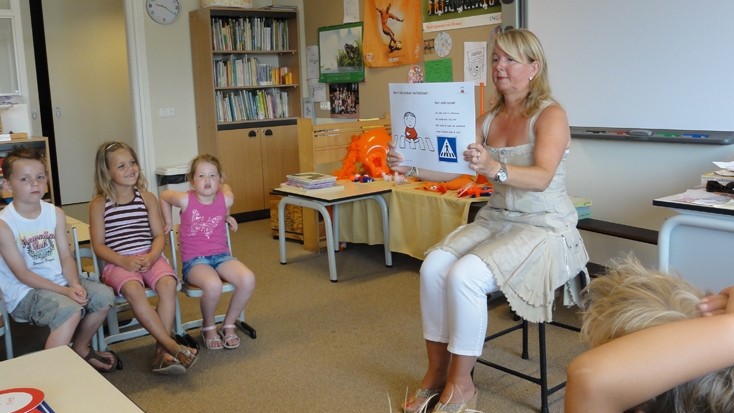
<point x="166" y="8"/>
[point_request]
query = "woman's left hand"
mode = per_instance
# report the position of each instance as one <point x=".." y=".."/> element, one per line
<point x="480" y="161"/>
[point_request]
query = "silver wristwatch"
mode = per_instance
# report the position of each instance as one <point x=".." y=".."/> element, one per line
<point x="501" y="176"/>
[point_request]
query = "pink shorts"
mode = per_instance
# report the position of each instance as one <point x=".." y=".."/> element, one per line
<point x="116" y="276"/>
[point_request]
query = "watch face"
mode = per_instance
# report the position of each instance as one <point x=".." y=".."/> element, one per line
<point x="163" y="11"/>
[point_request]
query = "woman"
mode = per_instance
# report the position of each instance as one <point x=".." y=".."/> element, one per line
<point x="651" y="351"/>
<point x="524" y="242"/>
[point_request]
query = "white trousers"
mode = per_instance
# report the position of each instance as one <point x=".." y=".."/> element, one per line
<point x="454" y="301"/>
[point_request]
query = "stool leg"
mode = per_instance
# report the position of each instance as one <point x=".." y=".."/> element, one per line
<point x="525" y="354"/>
<point x="543" y="369"/>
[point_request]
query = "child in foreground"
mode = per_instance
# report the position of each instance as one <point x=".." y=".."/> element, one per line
<point x="127" y="233"/>
<point x="38" y="274"/>
<point x="205" y="254"/>
<point x="657" y="345"/>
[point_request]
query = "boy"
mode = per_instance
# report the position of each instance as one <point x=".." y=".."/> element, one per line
<point x="38" y="275"/>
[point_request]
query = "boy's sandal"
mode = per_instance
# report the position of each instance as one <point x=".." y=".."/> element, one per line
<point x="169" y="367"/>
<point x="214" y="342"/>
<point x="185" y="356"/>
<point x="230" y="340"/>
<point x="114" y="362"/>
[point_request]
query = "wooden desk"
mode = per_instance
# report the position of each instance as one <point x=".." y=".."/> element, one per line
<point x="697" y="242"/>
<point x="352" y="192"/>
<point x="68" y="382"/>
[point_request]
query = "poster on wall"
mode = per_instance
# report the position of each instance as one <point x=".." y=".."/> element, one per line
<point x="459" y="14"/>
<point x="392" y="33"/>
<point x="433" y="123"/>
<point x="340" y="53"/>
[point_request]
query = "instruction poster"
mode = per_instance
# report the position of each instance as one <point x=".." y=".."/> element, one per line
<point x="433" y="123"/>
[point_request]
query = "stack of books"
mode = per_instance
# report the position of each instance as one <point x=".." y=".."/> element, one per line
<point x="722" y="176"/>
<point x="583" y="206"/>
<point x="312" y="181"/>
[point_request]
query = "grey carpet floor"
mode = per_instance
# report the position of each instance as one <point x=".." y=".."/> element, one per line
<point x="351" y="346"/>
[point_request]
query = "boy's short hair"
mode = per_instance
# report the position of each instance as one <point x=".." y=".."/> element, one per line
<point x="22" y="152"/>
<point x="629" y="298"/>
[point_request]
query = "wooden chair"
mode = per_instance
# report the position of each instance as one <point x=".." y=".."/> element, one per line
<point x="542" y="380"/>
<point x="193" y="291"/>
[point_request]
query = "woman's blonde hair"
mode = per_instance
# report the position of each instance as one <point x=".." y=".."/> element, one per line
<point x="102" y="179"/>
<point x="629" y="298"/>
<point x="523" y="46"/>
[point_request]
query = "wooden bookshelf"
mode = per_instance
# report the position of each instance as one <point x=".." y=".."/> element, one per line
<point x="248" y="100"/>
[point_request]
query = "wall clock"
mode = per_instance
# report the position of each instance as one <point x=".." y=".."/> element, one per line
<point x="163" y="11"/>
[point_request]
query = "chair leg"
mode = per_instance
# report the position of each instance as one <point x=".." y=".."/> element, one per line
<point x="543" y="369"/>
<point x="525" y="346"/>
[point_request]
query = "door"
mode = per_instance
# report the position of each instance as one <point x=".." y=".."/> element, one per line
<point x="90" y="87"/>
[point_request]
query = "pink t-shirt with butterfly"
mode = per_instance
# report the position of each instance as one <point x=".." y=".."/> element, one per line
<point x="203" y="228"/>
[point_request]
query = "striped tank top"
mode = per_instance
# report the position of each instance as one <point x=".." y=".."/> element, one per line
<point x="126" y="226"/>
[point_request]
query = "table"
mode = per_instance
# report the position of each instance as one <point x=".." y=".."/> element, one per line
<point x="319" y="200"/>
<point x="69" y="384"/>
<point x="412" y="230"/>
<point x="697" y="242"/>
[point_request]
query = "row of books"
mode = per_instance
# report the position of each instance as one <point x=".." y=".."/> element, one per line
<point x="241" y="105"/>
<point x="249" y="33"/>
<point x="248" y="71"/>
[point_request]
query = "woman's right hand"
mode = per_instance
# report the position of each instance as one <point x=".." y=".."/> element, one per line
<point x="393" y="160"/>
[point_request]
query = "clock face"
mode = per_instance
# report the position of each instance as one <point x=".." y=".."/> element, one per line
<point x="163" y="11"/>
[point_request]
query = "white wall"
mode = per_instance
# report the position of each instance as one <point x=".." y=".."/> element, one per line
<point x="650" y="64"/>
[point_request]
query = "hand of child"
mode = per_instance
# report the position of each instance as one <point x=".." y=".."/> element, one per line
<point x="232" y="223"/>
<point x="132" y="263"/>
<point x="167" y="228"/>
<point x="715" y="304"/>
<point x="78" y="294"/>
<point x="146" y="261"/>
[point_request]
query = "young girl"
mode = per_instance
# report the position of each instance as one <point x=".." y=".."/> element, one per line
<point x="204" y="250"/>
<point x="127" y="233"/>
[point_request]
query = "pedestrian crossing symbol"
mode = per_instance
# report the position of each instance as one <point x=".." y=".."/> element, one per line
<point x="448" y="149"/>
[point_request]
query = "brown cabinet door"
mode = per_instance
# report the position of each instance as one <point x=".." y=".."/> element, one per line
<point x="239" y="153"/>
<point x="279" y="155"/>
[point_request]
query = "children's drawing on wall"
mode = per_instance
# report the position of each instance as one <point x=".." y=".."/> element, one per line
<point x="344" y="100"/>
<point x="475" y="62"/>
<point x="340" y="53"/>
<point x="433" y="123"/>
<point x="459" y="14"/>
<point x="429" y="46"/>
<point x="392" y="33"/>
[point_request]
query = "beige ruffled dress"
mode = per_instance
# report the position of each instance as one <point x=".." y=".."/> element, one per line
<point x="527" y="239"/>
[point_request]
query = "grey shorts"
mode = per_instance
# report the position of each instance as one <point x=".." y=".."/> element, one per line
<point x="47" y="308"/>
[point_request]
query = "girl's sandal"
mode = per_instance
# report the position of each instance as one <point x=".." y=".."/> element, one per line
<point x="186" y="356"/>
<point x="229" y="340"/>
<point x="214" y="342"/>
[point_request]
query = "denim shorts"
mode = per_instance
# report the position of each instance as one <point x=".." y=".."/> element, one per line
<point x="211" y="260"/>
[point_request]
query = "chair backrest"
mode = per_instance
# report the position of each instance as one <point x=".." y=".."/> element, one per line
<point x="81" y="253"/>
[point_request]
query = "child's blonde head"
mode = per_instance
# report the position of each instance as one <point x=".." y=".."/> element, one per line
<point x="203" y="158"/>
<point x="629" y="298"/>
<point x="103" y="185"/>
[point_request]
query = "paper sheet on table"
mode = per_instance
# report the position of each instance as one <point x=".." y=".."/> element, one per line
<point x="729" y="166"/>
<point x="433" y="123"/>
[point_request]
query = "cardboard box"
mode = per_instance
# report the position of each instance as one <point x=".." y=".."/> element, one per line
<point x="245" y="4"/>
<point x="293" y="221"/>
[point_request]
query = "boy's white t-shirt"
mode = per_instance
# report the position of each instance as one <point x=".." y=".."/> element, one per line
<point x="36" y="240"/>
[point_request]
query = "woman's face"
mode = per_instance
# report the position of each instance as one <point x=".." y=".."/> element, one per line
<point x="509" y="74"/>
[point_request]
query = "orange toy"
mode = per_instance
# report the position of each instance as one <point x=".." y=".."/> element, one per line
<point x="433" y="187"/>
<point x="369" y="150"/>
